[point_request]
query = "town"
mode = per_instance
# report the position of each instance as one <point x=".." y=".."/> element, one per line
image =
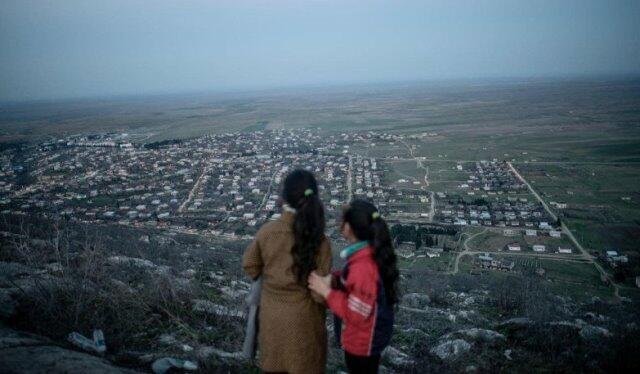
<point x="226" y="185"/>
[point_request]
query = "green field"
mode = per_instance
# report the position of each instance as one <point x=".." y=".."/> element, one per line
<point x="603" y="201"/>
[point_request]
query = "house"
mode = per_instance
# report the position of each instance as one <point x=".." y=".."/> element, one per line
<point x="509" y="232"/>
<point x="432" y="254"/>
<point x="555" y="234"/>
<point x="539" y="248"/>
<point x="507" y="265"/>
<point x="486" y="261"/>
<point x="489" y="262"/>
<point x="514" y="247"/>
<point x="531" y="232"/>
<point x="564" y="250"/>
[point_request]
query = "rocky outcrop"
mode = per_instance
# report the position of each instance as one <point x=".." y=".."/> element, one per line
<point x="594" y="332"/>
<point x="28" y="353"/>
<point x="416" y="300"/>
<point x="477" y="334"/>
<point x="450" y="349"/>
<point x="396" y="357"/>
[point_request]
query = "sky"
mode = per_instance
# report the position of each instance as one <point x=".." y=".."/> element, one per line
<point x="55" y="49"/>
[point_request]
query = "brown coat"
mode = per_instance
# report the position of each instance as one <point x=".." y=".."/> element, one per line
<point x="292" y="334"/>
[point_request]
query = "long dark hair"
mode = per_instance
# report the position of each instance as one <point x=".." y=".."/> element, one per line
<point x="367" y="224"/>
<point x="300" y="192"/>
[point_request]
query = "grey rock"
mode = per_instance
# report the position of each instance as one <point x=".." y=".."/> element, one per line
<point x="482" y="335"/>
<point x="416" y="300"/>
<point x="396" y="357"/>
<point x="415" y="333"/>
<point x="450" y="349"/>
<point x="207" y="352"/>
<point x="10" y="338"/>
<point x="507" y="354"/>
<point x="165" y="364"/>
<point x="516" y="322"/>
<point x="569" y="324"/>
<point x="28" y="353"/>
<point x="590" y="332"/>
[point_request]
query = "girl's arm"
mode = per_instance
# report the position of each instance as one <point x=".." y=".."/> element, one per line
<point x="324" y="266"/>
<point x="357" y="304"/>
<point x="252" y="259"/>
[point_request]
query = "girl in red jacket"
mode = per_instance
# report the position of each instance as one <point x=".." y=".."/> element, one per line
<point x="363" y="294"/>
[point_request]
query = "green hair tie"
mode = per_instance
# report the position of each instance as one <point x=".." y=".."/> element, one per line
<point x="375" y="215"/>
<point x="308" y="192"/>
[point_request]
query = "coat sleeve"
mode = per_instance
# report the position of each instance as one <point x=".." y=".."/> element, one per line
<point x="252" y="259"/>
<point x="356" y="304"/>
<point x="324" y="265"/>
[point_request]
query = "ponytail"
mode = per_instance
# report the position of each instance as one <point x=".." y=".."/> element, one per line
<point x="385" y="258"/>
<point x="367" y="224"/>
<point x="301" y="193"/>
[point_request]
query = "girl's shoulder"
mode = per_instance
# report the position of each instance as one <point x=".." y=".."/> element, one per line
<point x="274" y="226"/>
<point x="363" y="268"/>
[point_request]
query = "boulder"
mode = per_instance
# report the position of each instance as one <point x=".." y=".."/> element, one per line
<point x="507" y="354"/>
<point x="415" y="333"/>
<point x="396" y="357"/>
<point x="416" y="300"/>
<point x="517" y="322"/>
<point x="28" y="353"/>
<point x="207" y="352"/>
<point x="590" y="332"/>
<point x="450" y="349"/>
<point x="481" y="335"/>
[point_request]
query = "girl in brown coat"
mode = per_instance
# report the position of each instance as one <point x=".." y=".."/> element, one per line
<point x="292" y="335"/>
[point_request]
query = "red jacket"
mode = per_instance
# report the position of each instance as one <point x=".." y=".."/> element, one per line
<point x="361" y="305"/>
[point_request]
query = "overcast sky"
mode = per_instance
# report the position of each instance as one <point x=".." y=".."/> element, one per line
<point x="76" y="48"/>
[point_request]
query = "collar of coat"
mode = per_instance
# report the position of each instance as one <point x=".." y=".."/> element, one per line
<point x="287" y="217"/>
<point x="353" y="248"/>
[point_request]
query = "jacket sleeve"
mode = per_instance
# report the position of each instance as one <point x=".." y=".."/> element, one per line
<point x="324" y="265"/>
<point x="356" y="305"/>
<point x="252" y="259"/>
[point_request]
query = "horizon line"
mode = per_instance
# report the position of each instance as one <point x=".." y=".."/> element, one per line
<point x="322" y="85"/>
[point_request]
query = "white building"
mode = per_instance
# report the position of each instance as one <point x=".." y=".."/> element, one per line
<point x="539" y="248"/>
<point x="514" y="247"/>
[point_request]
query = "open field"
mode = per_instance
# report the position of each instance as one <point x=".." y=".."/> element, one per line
<point x="603" y="202"/>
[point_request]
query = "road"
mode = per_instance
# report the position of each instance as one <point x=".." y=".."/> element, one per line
<point x="268" y="193"/>
<point x="586" y="255"/>
<point x="399" y="159"/>
<point x="465" y="250"/>
<point x="521" y="178"/>
<point x="418" y="160"/>
<point x="432" y="206"/>
<point x="195" y="187"/>
<point x="349" y="180"/>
